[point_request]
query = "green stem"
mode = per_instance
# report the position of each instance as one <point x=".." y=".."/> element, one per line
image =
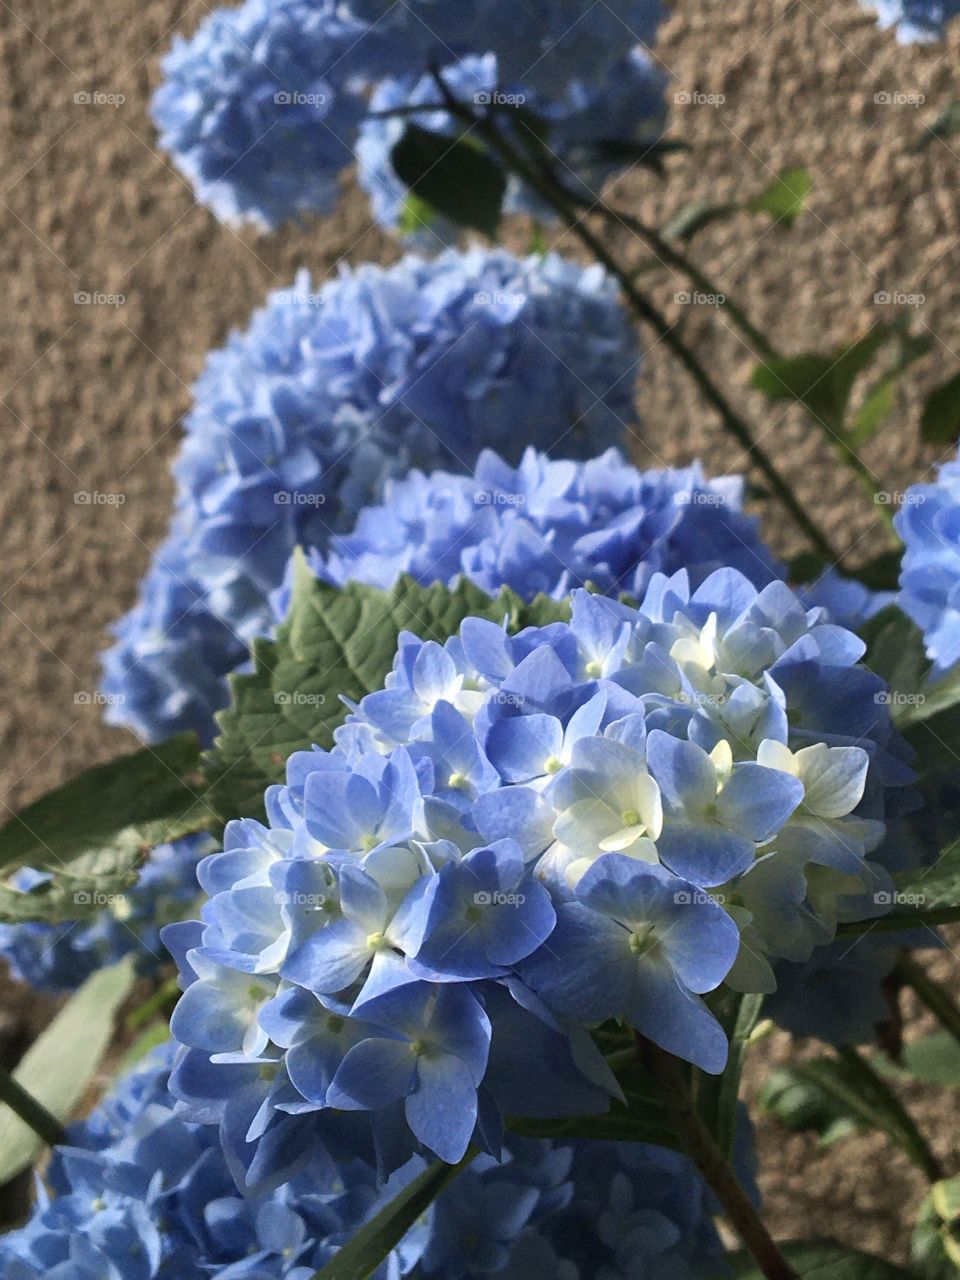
<point x="900" y="1126"/>
<point x="930" y="993"/>
<point x="896" y="923"/>
<point x="761" y="347"/>
<point x="668" y="1073"/>
<point x="164" y="995"/>
<point x="31" y="1112"/>
<point x="645" y="311"/>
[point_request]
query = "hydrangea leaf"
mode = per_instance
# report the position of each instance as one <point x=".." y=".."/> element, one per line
<point x="822" y="382"/>
<point x="801" y="1106"/>
<point x="57" y="1067"/>
<point x="935" y="1248"/>
<point x="363" y="1253"/>
<point x="694" y="217"/>
<point x="90" y="833"/>
<point x="933" y="1059"/>
<point x="786" y="197"/>
<point x="940" y="421"/>
<point x="933" y="888"/>
<point x="333" y="644"/>
<point x="824" y="1261"/>
<point x="451" y="175"/>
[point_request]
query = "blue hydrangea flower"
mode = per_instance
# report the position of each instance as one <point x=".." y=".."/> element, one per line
<point x="520" y="837"/>
<point x="59" y="957"/>
<point x="139" y="1193"/>
<point x="258" y="109"/>
<point x="300" y="420"/>
<point x="579" y="126"/>
<point x="914" y="20"/>
<point x="547" y="527"/>
<point x="929" y="524"/>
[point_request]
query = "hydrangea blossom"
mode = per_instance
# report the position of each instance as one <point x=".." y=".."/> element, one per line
<point x="518" y="838"/>
<point x="140" y="1194"/>
<point x="547" y="527"/>
<point x="300" y="419"/>
<point x="59" y="957"/>
<point x="577" y="127"/>
<point x="260" y="109"/>
<point x="929" y="524"/>
<point x="914" y="20"/>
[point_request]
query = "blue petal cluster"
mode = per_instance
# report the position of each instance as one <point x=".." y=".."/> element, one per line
<point x="258" y="109"/>
<point x="141" y="1194"/>
<point x="588" y="129"/>
<point x="518" y="838"/>
<point x="546" y="527"/>
<point x="261" y="108"/>
<point x="929" y="524"/>
<point x="914" y="20"/>
<point x="301" y="418"/>
<point x="60" y="957"/>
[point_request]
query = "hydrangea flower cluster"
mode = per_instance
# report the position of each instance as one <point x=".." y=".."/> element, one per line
<point x="60" y="957"/>
<point x="141" y="1194"/>
<point x="519" y="838"/>
<point x="300" y="419"/>
<point x="929" y="524"/>
<point x="576" y="127"/>
<point x="914" y="20"/>
<point x="546" y="527"/>
<point x="262" y="107"/>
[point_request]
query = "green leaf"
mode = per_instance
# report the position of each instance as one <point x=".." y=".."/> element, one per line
<point x="415" y="215"/>
<point x="333" y="644"/>
<point x="58" y="1066"/>
<point x="452" y="175"/>
<point x="693" y="217"/>
<point x="824" y="1261"/>
<point x="933" y="1059"/>
<point x="802" y="1105"/>
<point x="935" y="1247"/>
<point x="946" y="125"/>
<point x="156" y="1033"/>
<point x="364" y="1252"/>
<point x="786" y="197"/>
<point x="895" y="653"/>
<point x="821" y="382"/>
<point x="650" y="153"/>
<point x="91" y="833"/>
<point x="940" y="420"/>
<point x="933" y="887"/>
<point x="878" y="403"/>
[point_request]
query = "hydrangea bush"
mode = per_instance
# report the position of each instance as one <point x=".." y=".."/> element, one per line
<point x="497" y="796"/>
